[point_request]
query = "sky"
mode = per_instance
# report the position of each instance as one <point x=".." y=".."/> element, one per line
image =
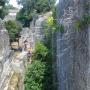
<point x="57" y="1"/>
<point x="14" y="3"/>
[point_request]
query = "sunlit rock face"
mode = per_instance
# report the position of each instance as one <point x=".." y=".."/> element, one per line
<point x="12" y="66"/>
<point x="39" y="32"/>
<point x="4" y="55"/>
<point x="4" y="45"/>
<point x="37" y="27"/>
<point x="72" y="49"/>
<point x="4" y="41"/>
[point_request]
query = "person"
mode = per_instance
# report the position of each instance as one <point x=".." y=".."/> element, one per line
<point x="29" y="54"/>
<point x="25" y="45"/>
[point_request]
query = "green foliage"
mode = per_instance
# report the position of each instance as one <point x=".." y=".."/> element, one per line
<point x="39" y="74"/>
<point x="3" y="9"/>
<point x="56" y="27"/>
<point x="39" y="5"/>
<point x="40" y="51"/>
<point x="3" y="12"/>
<point x="52" y="26"/>
<point x="50" y="21"/>
<point x="35" y="76"/>
<point x="30" y="6"/>
<point x="24" y="17"/>
<point x="83" y="22"/>
<point x="13" y="28"/>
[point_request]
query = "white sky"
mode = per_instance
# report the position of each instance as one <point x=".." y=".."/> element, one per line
<point x="14" y="3"/>
<point x="57" y="1"/>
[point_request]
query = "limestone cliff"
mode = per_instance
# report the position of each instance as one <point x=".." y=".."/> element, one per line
<point x="37" y="27"/>
<point x="4" y="55"/>
<point x="72" y="49"/>
<point x="12" y="66"/>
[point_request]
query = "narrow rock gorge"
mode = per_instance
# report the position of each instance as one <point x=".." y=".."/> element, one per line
<point x="64" y="53"/>
<point x="71" y="53"/>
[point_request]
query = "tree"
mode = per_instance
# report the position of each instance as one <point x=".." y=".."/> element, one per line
<point x="13" y="28"/>
<point x="30" y="6"/>
<point x="3" y="9"/>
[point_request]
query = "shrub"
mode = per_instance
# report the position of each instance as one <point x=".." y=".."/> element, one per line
<point x="34" y="76"/>
<point x="40" y="51"/>
<point x="39" y="74"/>
<point x="13" y="28"/>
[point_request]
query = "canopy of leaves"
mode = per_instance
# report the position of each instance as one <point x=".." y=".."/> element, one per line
<point x="38" y="5"/>
<point x="31" y="7"/>
<point x="24" y="17"/>
<point x="13" y="28"/>
<point x="3" y="9"/>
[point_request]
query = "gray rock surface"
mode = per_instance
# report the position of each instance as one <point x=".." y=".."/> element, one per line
<point x="71" y="53"/>
<point x="37" y="27"/>
<point x="4" y="55"/>
<point x="27" y="38"/>
<point x="10" y="63"/>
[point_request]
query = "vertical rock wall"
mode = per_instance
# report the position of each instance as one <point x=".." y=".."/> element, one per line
<point x="12" y="67"/>
<point x="4" y="56"/>
<point x="37" y="27"/>
<point x="71" y="51"/>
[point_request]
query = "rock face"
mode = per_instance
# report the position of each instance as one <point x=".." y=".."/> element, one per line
<point x="72" y="49"/>
<point x="26" y="40"/>
<point x="39" y="32"/>
<point x="4" y="55"/>
<point x="37" y="27"/>
<point x="11" y="66"/>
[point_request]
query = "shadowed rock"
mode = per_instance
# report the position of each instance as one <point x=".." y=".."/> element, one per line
<point x="71" y="51"/>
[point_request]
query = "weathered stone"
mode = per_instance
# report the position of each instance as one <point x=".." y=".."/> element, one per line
<point x="10" y="64"/>
<point x="71" y="51"/>
<point x="26" y="41"/>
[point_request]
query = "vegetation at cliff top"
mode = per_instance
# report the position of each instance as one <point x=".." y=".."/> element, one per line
<point x="3" y="9"/>
<point x="31" y="7"/>
<point x="13" y="28"/>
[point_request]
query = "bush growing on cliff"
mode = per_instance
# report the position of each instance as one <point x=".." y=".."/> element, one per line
<point x="39" y="74"/>
<point x="40" y="51"/>
<point x="13" y="28"/>
<point x="34" y="76"/>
